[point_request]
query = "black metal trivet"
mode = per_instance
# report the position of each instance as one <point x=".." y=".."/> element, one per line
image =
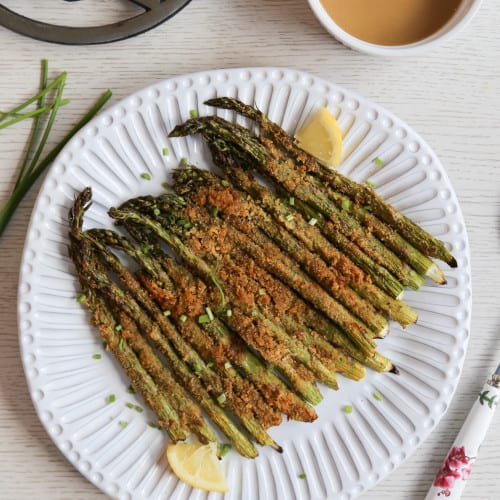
<point x="155" y="12"/>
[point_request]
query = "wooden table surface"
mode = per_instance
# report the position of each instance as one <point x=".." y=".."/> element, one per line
<point x="451" y="96"/>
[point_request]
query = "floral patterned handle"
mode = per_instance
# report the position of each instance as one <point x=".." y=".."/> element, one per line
<point x="453" y="473"/>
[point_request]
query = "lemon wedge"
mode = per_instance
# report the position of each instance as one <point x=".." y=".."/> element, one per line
<point x="197" y="465"/>
<point x="321" y="137"/>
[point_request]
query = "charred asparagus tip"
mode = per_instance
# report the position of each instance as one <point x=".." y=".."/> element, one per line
<point x="394" y="370"/>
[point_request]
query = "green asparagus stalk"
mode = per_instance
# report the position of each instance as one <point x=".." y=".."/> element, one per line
<point x="322" y="325"/>
<point x="128" y="304"/>
<point x="288" y="178"/>
<point x="292" y="311"/>
<point x="351" y="306"/>
<point x="288" y="271"/>
<point x="271" y="387"/>
<point x="311" y="236"/>
<point x="296" y="348"/>
<point x="388" y="236"/>
<point x="185" y="375"/>
<point x="198" y="366"/>
<point x="379" y="274"/>
<point x="360" y="194"/>
<point x="196" y="181"/>
<point x="238" y="319"/>
<point x="188" y="410"/>
<point x="338" y="359"/>
<point x="234" y="386"/>
<point x="141" y="381"/>
<point x="85" y="264"/>
<point x="243" y="395"/>
<point x="303" y="226"/>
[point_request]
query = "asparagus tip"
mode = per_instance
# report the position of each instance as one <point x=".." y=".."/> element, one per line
<point x="394" y="369"/>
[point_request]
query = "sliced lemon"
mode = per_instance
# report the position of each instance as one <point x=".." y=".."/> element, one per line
<point x="197" y="465"/>
<point x="321" y="137"/>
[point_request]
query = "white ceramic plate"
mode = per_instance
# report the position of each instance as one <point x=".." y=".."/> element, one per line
<point x="341" y="454"/>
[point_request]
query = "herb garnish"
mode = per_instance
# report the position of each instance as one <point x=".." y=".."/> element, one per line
<point x="33" y="166"/>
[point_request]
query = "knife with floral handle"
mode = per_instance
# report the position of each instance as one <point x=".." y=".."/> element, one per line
<point x="453" y="473"/>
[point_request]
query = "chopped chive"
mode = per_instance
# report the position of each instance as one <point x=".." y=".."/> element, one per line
<point x="130" y="390"/>
<point x="209" y="364"/>
<point x="153" y="425"/>
<point x="166" y="185"/>
<point x="182" y="318"/>
<point x="313" y="221"/>
<point x="291" y="200"/>
<point x="123" y="424"/>
<point x="261" y="291"/>
<point x="193" y="113"/>
<point x="378" y="161"/>
<point x="289" y="217"/>
<point x="204" y="318"/>
<point x="221" y="398"/>
<point x="120" y="344"/>
<point x="368" y="208"/>
<point x="81" y="298"/>
<point x="146" y="176"/>
<point x="370" y="183"/>
<point x="97" y="356"/>
<point x="378" y="396"/>
<point x="210" y="314"/>
<point x="346" y="204"/>
<point x="165" y="151"/>
<point x="224" y="183"/>
<point x="229" y="313"/>
<point x="145" y="249"/>
<point x="167" y="312"/>
<point x="184" y="162"/>
<point x="129" y="405"/>
<point x="302" y="475"/>
<point x="157" y="211"/>
<point x="226" y="447"/>
<point x="118" y="328"/>
<point x="138" y="408"/>
<point x="111" y="398"/>
<point x="227" y="365"/>
<point x="215" y="211"/>
<point x="348" y="409"/>
<point x="197" y="367"/>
